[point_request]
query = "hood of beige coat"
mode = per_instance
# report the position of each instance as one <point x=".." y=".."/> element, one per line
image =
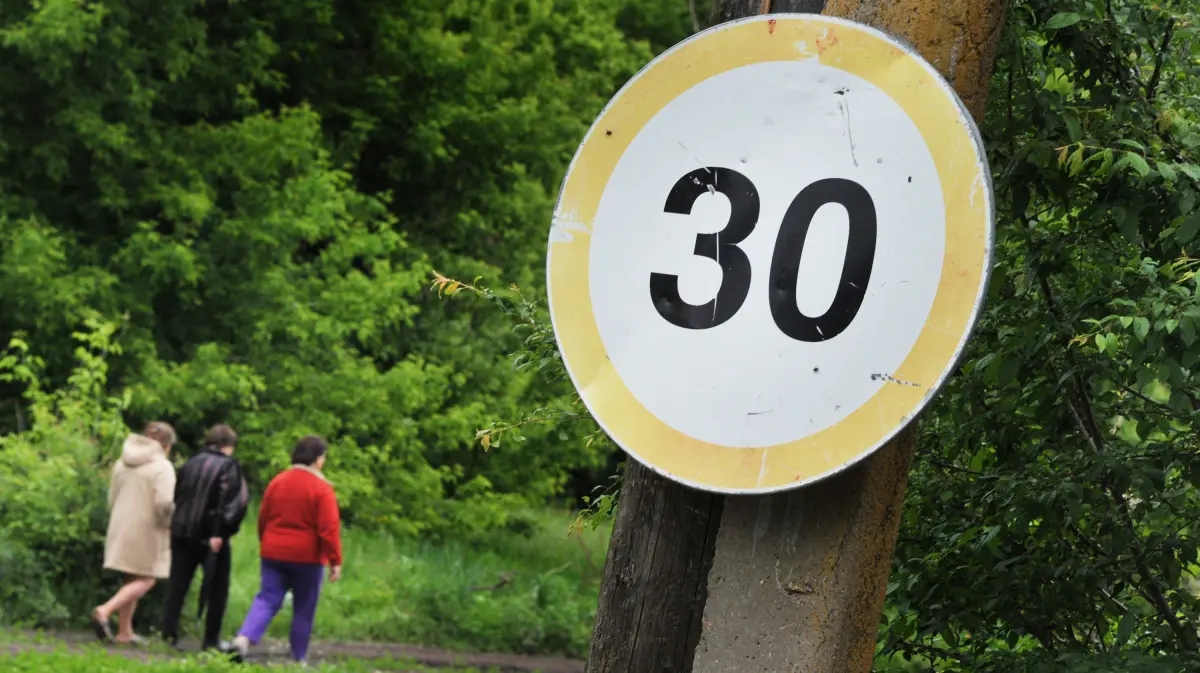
<point x="140" y="450"/>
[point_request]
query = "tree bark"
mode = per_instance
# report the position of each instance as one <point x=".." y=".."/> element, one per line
<point x="959" y="37"/>
<point x="798" y="578"/>
<point x="654" y="586"/>
<point x="837" y="536"/>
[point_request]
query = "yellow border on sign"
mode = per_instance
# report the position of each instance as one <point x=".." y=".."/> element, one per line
<point x="962" y="171"/>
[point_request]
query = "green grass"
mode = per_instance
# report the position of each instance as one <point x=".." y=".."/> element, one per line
<point x="442" y="595"/>
<point x="63" y="661"/>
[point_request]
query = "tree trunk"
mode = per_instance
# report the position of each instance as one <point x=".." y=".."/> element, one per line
<point x="654" y="586"/>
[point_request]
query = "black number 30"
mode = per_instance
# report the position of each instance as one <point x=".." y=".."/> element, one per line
<point x="722" y="247"/>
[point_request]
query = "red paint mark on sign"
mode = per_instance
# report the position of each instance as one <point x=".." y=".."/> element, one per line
<point x="823" y="44"/>
<point x="771" y="26"/>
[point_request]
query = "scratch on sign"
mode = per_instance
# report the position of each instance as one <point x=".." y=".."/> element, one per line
<point x="976" y="185"/>
<point x="845" y="108"/>
<point x="892" y="379"/>
<point x="696" y="159"/>
<point x="562" y="226"/>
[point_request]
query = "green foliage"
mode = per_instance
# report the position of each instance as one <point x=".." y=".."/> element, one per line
<point x="534" y="593"/>
<point x="54" y="483"/>
<point x="98" y="662"/>
<point x="261" y="189"/>
<point x="53" y="515"/>
<point x="661" y="24"/>
<point x="1050" y="521"/>
<point x="567" y="415"/>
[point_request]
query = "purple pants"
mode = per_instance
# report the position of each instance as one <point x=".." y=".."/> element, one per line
<point x="304" y="581"/>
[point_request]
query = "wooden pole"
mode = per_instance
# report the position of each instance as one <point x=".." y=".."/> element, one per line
<point x="795" y="581"/>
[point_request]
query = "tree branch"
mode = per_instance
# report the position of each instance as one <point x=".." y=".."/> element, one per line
<point x="1086" y="420"/>
<point x="504" y="580"/>
<point x="955" y="468"/>
<point x="694" y="15"/>
<point x="933" y="653"/>
<point x="1152" y="87"/>
<point x="1169" y="411"/>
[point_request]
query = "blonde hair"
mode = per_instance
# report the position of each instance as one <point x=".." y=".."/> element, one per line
<point x="161" y="432"/>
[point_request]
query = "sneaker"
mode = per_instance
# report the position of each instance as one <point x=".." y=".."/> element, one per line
<point x="238" y="649"/>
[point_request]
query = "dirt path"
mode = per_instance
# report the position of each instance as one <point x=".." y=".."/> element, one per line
<point x="329" y="652"/>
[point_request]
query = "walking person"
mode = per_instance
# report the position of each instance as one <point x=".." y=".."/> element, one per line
<point x="210" y="503"/>
<point x="299" y="530"/>
<point x="138" y="545"/>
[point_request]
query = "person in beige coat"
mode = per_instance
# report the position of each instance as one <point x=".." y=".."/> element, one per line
<point x="138" y="545"/>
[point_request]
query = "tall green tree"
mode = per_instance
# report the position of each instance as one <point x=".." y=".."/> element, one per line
<point x="257" y="193"/>
<point x="1051" y="525"/>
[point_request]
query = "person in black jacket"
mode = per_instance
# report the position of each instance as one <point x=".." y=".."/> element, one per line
<point x="210" y="503"/>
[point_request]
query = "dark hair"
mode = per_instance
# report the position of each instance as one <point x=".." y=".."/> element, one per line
<point x="308" y="450"/>
<point x="220" y="436"/>
<point x="161" y="432"/>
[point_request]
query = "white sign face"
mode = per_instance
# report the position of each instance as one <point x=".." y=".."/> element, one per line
<point x="769" y="252"/>
<point x="748" y="382"/>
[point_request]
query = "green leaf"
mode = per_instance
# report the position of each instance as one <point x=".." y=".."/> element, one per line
<point x="1157" y="391"/>
<point x="1187" y="230"/>
<point x="1074" y="129"/>
<point x="1063" y="20"/>
<point x="1106" y="163"/>
<point x="1141" y="327"/>
<point x="1138" y="163"/>
<point x="1171" y="325"/>
<point x="1125" y="627"/>
<point x="1009" y="370"/>
<point x="1132" y="143"/>
<point x="1129" y="226"/>
<point x="1075" y="162"/>
<point x="1108" y="343"/>
<point x="978" y="459"/>
<point x="1190" y="170"/>
<point x="1187" y="331"/>
<point x="1187" y="201"/>
<point x="1167" y="172"/>
<point x="1127" y="432"/>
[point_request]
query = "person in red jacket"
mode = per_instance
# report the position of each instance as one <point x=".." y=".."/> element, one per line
<point x="299" y="532"/>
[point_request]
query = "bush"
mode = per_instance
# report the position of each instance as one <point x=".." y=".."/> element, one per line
<point x="53" y="516"/>
<point x="530" y="594"/>
<point x="26" y="593"/>
<point x="53" y="485"/>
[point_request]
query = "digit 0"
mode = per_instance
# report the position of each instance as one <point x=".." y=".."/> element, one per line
<point x="856" y="267"/>
<point x="722" y="247"/>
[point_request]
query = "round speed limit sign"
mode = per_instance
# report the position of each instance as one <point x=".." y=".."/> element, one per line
<point x="769" y="251"/>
